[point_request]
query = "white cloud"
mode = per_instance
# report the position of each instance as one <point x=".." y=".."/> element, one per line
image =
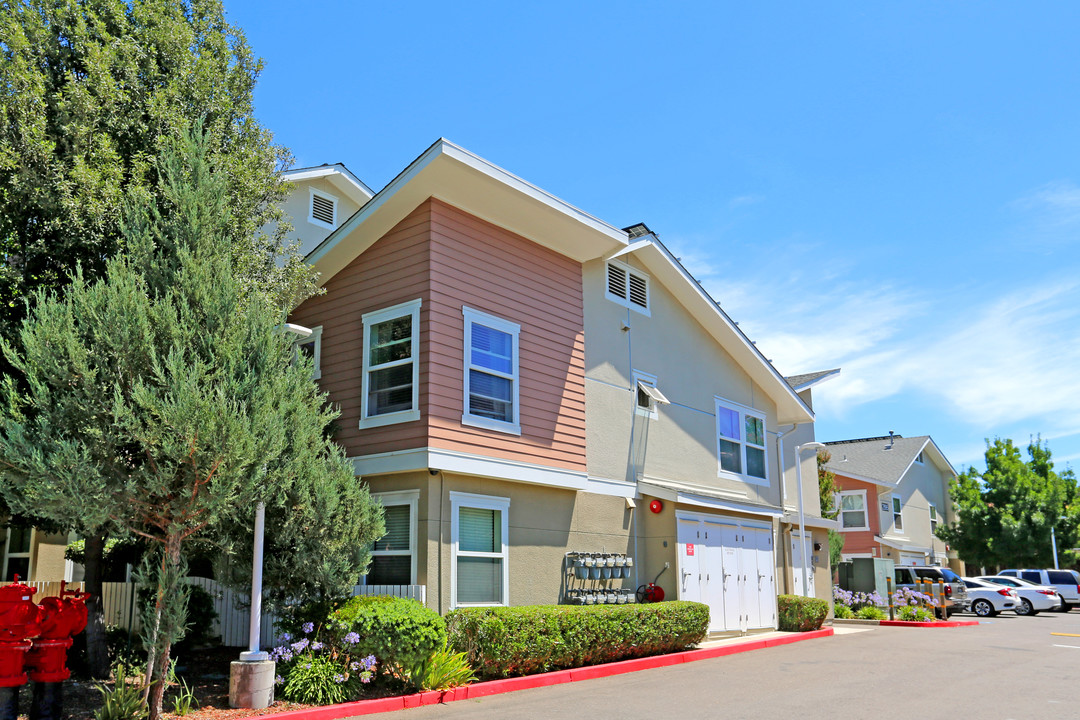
<point x="1055" y="204"/>
<point x="988" y="360"/>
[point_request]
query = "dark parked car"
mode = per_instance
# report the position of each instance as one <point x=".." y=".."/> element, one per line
<point x="956" y="596"/>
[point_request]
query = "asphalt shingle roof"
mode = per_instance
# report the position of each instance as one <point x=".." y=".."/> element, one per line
<point x="873" y="458"/>
<point x="799" y="382"/>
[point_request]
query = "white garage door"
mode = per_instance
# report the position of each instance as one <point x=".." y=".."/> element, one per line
<point x="729" y="565"/>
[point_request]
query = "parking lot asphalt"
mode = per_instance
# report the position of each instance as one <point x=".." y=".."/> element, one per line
<point x="1006" y="668"/>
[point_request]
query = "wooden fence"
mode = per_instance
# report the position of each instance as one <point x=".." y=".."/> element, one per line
<point x="233" y="614"/>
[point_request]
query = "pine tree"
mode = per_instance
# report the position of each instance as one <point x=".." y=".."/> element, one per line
<point x="165" y="401"/>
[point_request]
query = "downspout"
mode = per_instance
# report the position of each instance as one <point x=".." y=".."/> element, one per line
<point x="785" y="554"/>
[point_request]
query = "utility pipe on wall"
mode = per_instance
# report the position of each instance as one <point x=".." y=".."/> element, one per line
<point x="802" y="519"/>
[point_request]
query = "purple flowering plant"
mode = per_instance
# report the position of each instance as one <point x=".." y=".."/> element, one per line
<point x="857" y="600"/>
<point x="320" y="668"/>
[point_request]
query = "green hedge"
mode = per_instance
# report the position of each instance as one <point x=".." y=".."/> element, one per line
<point x="397" y="631"/>
<point x="506" y="642"/>
<point x="801" y="614"/>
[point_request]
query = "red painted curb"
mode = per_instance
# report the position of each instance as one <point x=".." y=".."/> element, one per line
<point x="557" y="677"/>
<point x="936" y="624"/>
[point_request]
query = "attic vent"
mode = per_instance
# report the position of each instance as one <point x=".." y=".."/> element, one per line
<point x="639" y="291"/>
<point x="616" y="281"/>
<point x="323" y="208"/>
<point x="628" y="287"/>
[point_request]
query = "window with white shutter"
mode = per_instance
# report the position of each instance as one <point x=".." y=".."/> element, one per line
<point x="491" y="380"/>
<point x="627" y="286"/>
<point x="479" y="528"/>
<point x="391" y="366"/>
<point x="740" y="442"/>
<point x="393" y="556"/>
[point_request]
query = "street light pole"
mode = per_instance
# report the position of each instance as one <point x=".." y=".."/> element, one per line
<point x="1053" y="546"/>
<point x="802" y="518"/>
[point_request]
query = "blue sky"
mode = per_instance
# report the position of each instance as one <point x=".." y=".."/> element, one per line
<point x="891" y="188"/>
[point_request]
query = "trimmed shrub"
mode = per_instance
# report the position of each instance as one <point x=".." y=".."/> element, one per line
<point x="801" y="614"/>
<point x="398" y="631"/>
<point x="869" y="612"/>
<point x="504" y="642"/>
<point x="842" y="612"/>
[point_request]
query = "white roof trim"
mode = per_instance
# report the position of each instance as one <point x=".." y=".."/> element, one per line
<point x="702" y="497"/>
<point x="632" y="247"/>
<point x="810" y="521"/>
<point x="901" y="546"/>
<point x="734" y="341"/>
<point x="862" y="478"/>
<point x="455" y="176"/>
<point x="337" y="171"/>
<point x="817" y="381"/>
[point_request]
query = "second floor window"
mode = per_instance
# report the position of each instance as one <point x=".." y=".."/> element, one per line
<point x="741" y="442"/>
<point x="933" y="519"/>
<point x="853" y="510"/>
<point x="897" y="513"/>
<point x="391" y="366"/>
<point x="491" y="372"/>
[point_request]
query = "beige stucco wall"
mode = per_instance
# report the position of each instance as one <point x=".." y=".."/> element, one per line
<point x="691" y="370"/>
<point x="921" y="485"/>
<point x="297" y="208"/>
<point x="545" y="523"/>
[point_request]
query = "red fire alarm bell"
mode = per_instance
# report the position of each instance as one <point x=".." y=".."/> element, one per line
<point x="656" y="506"/>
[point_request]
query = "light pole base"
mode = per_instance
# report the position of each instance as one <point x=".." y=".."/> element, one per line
<point x="251" y="684"/>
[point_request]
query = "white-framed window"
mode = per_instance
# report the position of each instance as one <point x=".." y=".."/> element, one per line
<point x="393" y="556"/>
<point x="933" y="519"/>
<point x="740" y="442"/>
<point x="920" y="459"/>
<point x="853" y="510"/>
<point x="627" y="286"/>
<point x="491" y="381"/>
<point x="17" y="553"/>
<point x="391" y="372"/>
<point x="311" y="347"/>
<point x="322" y="209"/>
<point x="897" y="513"/>
<point x="646" y="395"/>
<point x="479" y="530"/>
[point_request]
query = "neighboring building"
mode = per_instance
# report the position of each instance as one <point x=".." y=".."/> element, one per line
<point x="894" y="492"/>
<point x="34" y="554"/>
<point x="519" y="381"/>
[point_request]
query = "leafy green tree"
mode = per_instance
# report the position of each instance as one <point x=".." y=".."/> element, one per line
<point x="827" y="490"/>
<point x="1004" y="515"/>
<point x="165" y="402"/>
<point x="91" y="93"/>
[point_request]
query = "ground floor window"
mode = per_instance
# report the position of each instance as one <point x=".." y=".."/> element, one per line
<point x="479" y="530"/>
<point x="17" y="553"/>
<point x="393" y="556"/>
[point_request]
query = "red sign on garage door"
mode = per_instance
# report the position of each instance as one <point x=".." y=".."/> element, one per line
<point x="689" y="548"/>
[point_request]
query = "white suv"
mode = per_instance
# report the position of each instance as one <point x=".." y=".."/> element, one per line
<point x="1066" y="582"/>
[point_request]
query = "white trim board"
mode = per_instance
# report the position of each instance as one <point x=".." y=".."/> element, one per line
<point x="429" y="458"/>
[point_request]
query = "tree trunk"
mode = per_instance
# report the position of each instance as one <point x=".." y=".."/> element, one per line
<point x="169" y="618"/>
<point x="97" y="653"/>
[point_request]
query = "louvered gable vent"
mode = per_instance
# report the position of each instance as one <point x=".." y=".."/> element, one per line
<point x="627" y="287"/>
<point x="616" y="281"/>
<point x="639" y="291"/>
<point x="322" y="209"/>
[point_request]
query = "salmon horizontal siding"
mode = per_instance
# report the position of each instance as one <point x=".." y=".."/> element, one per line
<point x="393" y="270"/>
<point x="478" y="265"/>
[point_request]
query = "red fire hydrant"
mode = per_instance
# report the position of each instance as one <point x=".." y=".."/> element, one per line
<point x="61" y="618"/>
<point x="19" y="621"/>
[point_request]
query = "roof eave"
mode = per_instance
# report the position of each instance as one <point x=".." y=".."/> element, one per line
<point x="790" y="408"/>
<point x="453" y="175"/>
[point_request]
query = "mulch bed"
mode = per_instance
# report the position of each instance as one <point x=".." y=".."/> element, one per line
<point x="206" y="673"/>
